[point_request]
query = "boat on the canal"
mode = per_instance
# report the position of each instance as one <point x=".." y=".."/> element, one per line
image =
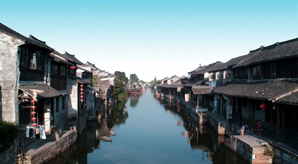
<point x="135" y="91"/>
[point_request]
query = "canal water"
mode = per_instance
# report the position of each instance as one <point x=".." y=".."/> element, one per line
<point x="148" y="130"/>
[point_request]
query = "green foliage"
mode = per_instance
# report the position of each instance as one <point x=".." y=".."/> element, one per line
<point x="142" y="82"/>
<point x="9" y="132"/>
<point x="134" y="101"/>
<point x="121" y="76"/>
<point x="120" y="115"/>
<point x="153" y="83"/>
<point x="95" y="81"/>
<point x="120" y="86"/>
<point x="269" y="151"/>
<point x="134" y="78"/>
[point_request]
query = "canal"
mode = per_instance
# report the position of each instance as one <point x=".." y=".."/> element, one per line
<point x="148" y="130"/>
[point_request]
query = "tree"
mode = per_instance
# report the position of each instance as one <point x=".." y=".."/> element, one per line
<point x="134" y="78"/>
<point x="95" y="81"/>
<point x="120" y="86"/>
<point x="153" y="83"/>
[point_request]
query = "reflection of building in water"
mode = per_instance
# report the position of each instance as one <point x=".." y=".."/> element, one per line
<point x="178" y="123"/>
<point x="104" y="132"/>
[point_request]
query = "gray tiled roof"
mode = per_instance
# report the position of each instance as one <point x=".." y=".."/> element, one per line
<point x="202" y="90"/>
<point x="58" y="59"/>
<point x="28" y="40"/>
<point x="277" y="51"/>
<point x="230" y="63"/>
<point x="72" y="58"/>
<point x="266" y="90"/>
<point x="291" y="99"/>
<point x="43" y="90"/>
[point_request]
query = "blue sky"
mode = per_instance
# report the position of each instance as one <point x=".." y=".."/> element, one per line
<point x="153" y="37"/>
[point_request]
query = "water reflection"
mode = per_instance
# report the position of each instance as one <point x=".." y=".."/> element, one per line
<point x="134" y="101"/>
<point x="201" y="137"/>
<point x="158" y="132"/>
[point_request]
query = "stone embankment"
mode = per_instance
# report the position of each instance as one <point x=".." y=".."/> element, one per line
<point x="45" y="152"/>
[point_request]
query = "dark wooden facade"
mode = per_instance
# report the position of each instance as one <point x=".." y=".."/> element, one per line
<point x="58" y="75"/>
<point x="32" y="63"/>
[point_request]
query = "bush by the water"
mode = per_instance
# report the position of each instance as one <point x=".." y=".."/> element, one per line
<point x="9" y="132"/>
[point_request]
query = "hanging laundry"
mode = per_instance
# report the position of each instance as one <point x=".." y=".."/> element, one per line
<point x="42" y="132"/>
<point x="27" y="131"/>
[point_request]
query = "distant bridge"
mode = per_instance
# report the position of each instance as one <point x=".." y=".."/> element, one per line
<point x="145" y="85"/>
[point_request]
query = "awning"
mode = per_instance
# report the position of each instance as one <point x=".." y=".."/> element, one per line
<point x="83" y="81"/>
<point x="39" y="90"/>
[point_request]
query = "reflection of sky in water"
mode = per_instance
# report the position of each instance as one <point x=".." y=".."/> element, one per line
<point x="149" y="135"/>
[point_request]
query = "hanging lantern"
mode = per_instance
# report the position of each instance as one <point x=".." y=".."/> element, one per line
<point x="74" y="67"/>
<point x="33" y="118"/>
<point x="34" y="124"/>
<point x="232" y="101"/>
<point x="263" y="106"/>
<point x="33" y="107"/>
<point x="81" y="89"/>
<point x="33" y="113"/>
<point x="33" y="101"/>
<point x="81" y="100"/>
<point x="82" y="93"/>
<point x="81" y="97"/>
<point x="81" y="85"/>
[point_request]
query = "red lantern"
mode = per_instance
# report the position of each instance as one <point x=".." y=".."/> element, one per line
<point x="81" y="100"/>
<point x="81" y="85"/>
<point x="33" y="118"/>
<point x="232" y="101"/>
<point x="82" y="93"/>
<point x="33" y="107"/>
<point x="81" y="97"/>
<point x="33" y="101"/>
<point x="34" y="124"/>
<point x="263" y="106"/>
<point x="81" y="89"/>
<point x="74" y="67"/>
<point x="33" y="113"/>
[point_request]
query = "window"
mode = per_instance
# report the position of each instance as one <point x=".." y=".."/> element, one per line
<point x="228" y="75"/>
<point x="62" y="70"/>
<point x="273" y="69"/>
<point x="212" y="76"/>
<point x="55" y="69"/>
<point x="35" y="62"/>
<point x="257" y="71"/>
<point x="38" y="60"/>
<point x="24" y="57"/>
